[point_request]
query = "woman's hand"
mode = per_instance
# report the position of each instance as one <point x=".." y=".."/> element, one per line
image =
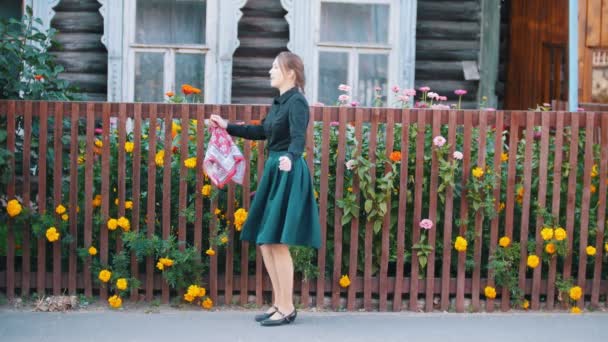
<point x="285" y="164"/>
<point x="217" y="121"/>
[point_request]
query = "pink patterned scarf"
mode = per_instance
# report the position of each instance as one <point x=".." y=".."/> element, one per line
<point x="223" y="159"/>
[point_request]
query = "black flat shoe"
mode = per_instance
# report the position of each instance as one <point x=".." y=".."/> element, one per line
<point x="285" y="319"/>
<point x="266" y="315"/>
<point x="292" y="316"/>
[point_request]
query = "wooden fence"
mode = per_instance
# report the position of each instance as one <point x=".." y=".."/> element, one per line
<point x="400" y="282"/>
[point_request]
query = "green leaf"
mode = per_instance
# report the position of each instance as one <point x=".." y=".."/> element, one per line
<point x="368" y="206"/>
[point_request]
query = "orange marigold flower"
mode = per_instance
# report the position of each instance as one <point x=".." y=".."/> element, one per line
<point x="187" y="89"/>
<point x="39" y="77"/>
<point x="395" y="156"/>
<point x="170" y="94"/>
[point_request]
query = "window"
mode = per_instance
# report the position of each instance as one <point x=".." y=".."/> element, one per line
<point x="169" y="44"/>
<point x="11" y="9"/>
<point x="599" y="77"/>
<point x="355" y="46"/>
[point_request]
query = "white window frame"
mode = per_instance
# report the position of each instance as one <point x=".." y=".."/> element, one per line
<point x="302" y="15"/>
<point x="220" y="43"/>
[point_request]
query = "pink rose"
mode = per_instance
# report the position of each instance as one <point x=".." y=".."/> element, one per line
<point x="424" y="89"/>
<point x="460" y="92"/>
<point x="439" y="141"/>
<point x="354" y="104"/>
<point x="409" y="92"/>
<point x="344" y="98"/>
<point x="334" y="123"/>
<point x="344" y="87"/>
<point x="442" y="98"/>
<point x="378" y="89"/>
<point x="432" y="95"/>
<point x="458" y="155"/>
<point x="351" y="164"/>
<point x="404" y="98"/>
<point x="395" y="89"/>
<point x="426" y="224"/>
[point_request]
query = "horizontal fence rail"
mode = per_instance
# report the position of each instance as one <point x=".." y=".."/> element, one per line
<point x="498" y="175"/>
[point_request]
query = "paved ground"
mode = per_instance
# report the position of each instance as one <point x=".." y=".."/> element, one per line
<point x="183" y="326"/>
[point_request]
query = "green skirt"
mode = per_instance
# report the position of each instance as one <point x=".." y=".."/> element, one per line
<point x="284" y="209"/>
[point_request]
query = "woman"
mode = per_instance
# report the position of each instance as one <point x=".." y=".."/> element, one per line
<point x="283" y="212"/>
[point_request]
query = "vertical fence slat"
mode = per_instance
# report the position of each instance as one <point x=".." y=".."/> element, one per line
<point x="73" y="215"/>
<point x="419" y="177"/>
<point x="369" y="232"/>
<point x="354" y="227"/>
<point x="26" y="233"/>
<point x="447" y="225"/>
<point x="601" y="212"/>
<point x="135" y="213"/>
<point x="259" y="270"/>
<point x="323" y="208"/>
<point x="88" y="196"/>
<point x="166" y="200"/>
<point x="122" y="167"/>
<point x="571" y="206"/>
<point x="151" y="204"/>
<point x="403" y="189"/>
<point x="229" y="277"/>
<point x="310" y="156"/>
<point x="556" y="197"/>
<point x="42" y="175"/>
<point x="105" y="186"/>
<point x="466" y="167"/>
<point x="386" y="226"/>
<point x="10" y="240"/>
<point x="246" y="202"/>
<point x="340" y="173"/>
<point x="513" y="124"/>
<point x="479" y="218"/>
<point x="498" y="128"/>
<point x="525" y="216"/>
<point x="542" y="199"/>
<point x="586" y="198"/>
<point x="183" y="173"/>
<point x="213" y="265"/>
<point x="200" y="176"/>
<point x="432" y="233"/>
<point x="57" y="191"/>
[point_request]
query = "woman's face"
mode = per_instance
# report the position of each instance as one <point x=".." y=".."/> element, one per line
<point x="277" y="77"/>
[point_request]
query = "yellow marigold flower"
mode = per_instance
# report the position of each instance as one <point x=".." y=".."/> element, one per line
<point x="606" y="247"/>
<point x="98" y="143"/>
<point x="218" y="211"/>
<point x="52" y="235"/>
<point x="190" y="163"/>
<point x="592" y="188"/>
<point x="193" y="290"/>
<point x="207" y="304"/>
<point x="224" y="239"/>
<point x="349" y="189"/>
<point x="112" y="224"/>
<point x="65" y="217"/>
<point x="504" y="157"/>
<point x="576" y="292"/>
<point x="316" y="195"/>
<point x="122" y="284"/>
<point x="210" y="252"/>
<point x="160" y="158"/>
<point x="560" y="234"/>
<point x="501" y="207"/>
<point x="546" y="233"/>
<point x="188" y="297"/>
<point x="105" y="275"/>
<point x="206" y="190"/>
<point x="477" y="172"/>
<point x="160" y="266"/>
<point x="490" y="292"/>
<point x="81" y="160"/>
<point x="13" y="208"/>
<point x="115" y="301"/>
<point x="202" y="292"/>
<point x="116" y="201"/>
<point x="520" y="191"/>
<point x="590" y="250"/>
<point x="525" y="305"/>
<point x="240" y="216"/>
<point x="550" y="248"/>
<point x="129" y="146"/>
<point x="92" y="250"/>
<point x="594" y="171"/>
<point x="128" y="204"/>
<point x="344" y="281"/>
<point x="60" y="210"/>
<point x="575" y="310"/>
<point x="533" y="261"/>
<point x="504" y="241"/>
<point x="460" y="244"/>
<point x="175" y="128"/>
<point x="166" y="261"/>
<point x="124" y="223"/>
<point x="97" y="201"/>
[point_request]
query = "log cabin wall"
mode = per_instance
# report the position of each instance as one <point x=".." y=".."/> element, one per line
<point x="263" y="33"/>
<point x="81" y="52"/>
<point x="503" y="55"/>
<point x="537" y="64"/>
<point x="593" y="51"/>
<point x="447" y="33"/>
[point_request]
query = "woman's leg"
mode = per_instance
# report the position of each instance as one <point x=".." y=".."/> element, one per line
<point x="284" y="270"/>
<point x="268" y="257"/>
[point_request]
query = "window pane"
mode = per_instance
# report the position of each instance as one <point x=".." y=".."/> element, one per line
<point x="171" y="21"/>
<point x="189" y="69"/>
<point x="373" y="72"/>
<point x="149" y="77"/>
<point x="354" y="23"/>
<point x="333" y="71"/>
<point x="599" y="77"/>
